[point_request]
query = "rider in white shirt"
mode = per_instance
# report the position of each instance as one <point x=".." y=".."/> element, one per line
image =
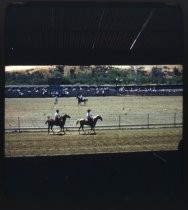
<point x="89" y="116"/>
<point x="57" y="116"/>
<point x="81" y="97"/>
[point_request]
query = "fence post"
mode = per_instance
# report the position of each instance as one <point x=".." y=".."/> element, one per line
<point x="148" y="120"/>
<point x="119" y="122"/>
<point x="175" y="119"/>
<point x="19" y="124"/>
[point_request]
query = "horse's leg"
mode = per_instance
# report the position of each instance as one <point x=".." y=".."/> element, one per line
<point x="52" y="129"/>
<point x="48" y="128"/>
<point x="89" y="131"/>
<point x="63" y="129"/>
<point x="81" y="126"/>
<point x="83" y="129"/>
<point x="60" y="130"/>
<point x="79" y="129"/>
<point x="94" y="130"/>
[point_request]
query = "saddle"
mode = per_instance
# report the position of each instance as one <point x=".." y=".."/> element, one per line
<point x="89" y="122"/>
<point x="57" y="122"/>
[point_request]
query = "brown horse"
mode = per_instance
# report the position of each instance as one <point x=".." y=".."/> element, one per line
<point x="81" y="100"/>
<point x="85" y="122"/>
<point x="61" y="123"/>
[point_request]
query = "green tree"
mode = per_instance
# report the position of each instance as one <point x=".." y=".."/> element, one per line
<point x="156" y="75"/>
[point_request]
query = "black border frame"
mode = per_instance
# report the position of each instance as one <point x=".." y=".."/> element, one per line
<point x="82" y="205"/>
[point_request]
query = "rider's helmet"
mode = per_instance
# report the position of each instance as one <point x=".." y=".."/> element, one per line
<point x="88" y="110"/>
<point x="57" y="110"/>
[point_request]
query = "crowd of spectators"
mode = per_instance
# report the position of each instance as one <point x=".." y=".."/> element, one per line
<point x="73" y="91"/>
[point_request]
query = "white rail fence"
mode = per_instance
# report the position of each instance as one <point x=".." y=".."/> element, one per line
<point x="130" y="120"/>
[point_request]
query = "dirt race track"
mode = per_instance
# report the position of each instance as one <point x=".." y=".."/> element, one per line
<point x="105" y="141"/>
<point x="39" y="143"/>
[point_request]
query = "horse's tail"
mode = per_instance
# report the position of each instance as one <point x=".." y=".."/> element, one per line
<point x="77" y="122"/>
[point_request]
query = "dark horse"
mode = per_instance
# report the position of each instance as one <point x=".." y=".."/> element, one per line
<point x="85" y="122"/>
<point x="81" y="100"/>
<point x="61" y="123"/>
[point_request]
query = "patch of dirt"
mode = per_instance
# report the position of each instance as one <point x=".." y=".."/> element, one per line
<point x="105" y="141"/>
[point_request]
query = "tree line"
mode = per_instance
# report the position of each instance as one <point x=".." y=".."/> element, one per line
<point x="99" y="75"/>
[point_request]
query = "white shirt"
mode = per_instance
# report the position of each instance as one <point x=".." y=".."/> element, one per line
<point x="89" y="114"/>
<point x="57" y="115"/>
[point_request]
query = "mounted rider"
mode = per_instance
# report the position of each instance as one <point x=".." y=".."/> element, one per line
<point x="81" y="97"/>
<point x="89" y="116"/>
<point x="57" y="116"/>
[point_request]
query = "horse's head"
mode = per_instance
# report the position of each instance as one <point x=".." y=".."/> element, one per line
<point x="98" y="117"/>
<point x="65" y="116"/>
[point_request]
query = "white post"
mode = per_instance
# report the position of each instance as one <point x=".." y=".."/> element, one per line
<point x="175" y="119"/>
<point x="19" y="124"/>
<point x="148" y="120"/>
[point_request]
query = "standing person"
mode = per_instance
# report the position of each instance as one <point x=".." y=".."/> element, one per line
<point x="89" y="116"/>
<point x="56" y="100"/>
<point x="57" y="116"/>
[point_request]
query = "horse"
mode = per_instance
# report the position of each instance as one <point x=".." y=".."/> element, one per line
<point x="80" y="100"/>
<point x="61" y="123"/>
<point x="86" y="122"/>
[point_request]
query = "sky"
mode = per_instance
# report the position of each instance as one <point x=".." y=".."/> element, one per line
<point x="23" y="68"/>
<point x="20" y="68"/>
